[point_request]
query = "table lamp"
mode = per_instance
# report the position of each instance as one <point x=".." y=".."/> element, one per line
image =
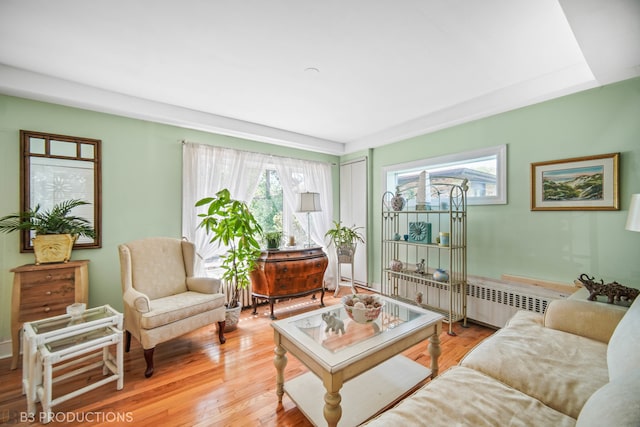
<point x="309" y="202"/>
<point x="633" y="220"/>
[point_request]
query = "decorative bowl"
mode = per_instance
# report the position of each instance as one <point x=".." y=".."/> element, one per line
<point x="76" y="309"/>
<point x="363" y="308"/>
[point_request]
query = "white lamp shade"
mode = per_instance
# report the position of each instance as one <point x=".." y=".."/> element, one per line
<point x="309" y="202"/>
<point x="633" y="220"/>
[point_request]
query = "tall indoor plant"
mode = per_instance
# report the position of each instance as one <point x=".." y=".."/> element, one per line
<point x="232" y="225"/>
<point x="56" y="229"/>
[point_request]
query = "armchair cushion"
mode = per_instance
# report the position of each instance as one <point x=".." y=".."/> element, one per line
<point x="170" y="309"/>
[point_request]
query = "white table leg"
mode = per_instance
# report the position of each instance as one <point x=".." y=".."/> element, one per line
<point x="280" y="361"/>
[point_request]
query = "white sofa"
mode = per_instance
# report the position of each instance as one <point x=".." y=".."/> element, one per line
<point x="579" y="364"/>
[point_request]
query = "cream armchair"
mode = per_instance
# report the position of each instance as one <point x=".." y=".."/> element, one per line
<point x="162" y="299"/>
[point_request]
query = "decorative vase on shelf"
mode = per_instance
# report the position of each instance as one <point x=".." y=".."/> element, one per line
<point x="396" y="265"/>
<point x="397" y="201"/>
<point x="440" y="275"/>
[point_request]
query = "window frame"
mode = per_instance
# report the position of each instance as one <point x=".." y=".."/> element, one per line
<point x="499" y="151"/>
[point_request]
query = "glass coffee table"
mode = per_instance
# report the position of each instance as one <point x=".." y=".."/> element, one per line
<point x="354" y="375"/>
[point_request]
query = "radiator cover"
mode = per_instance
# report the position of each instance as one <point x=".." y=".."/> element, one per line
<point x="493" y="302"/>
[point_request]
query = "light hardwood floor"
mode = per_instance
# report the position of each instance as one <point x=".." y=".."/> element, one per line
<point x="198" y="382"/>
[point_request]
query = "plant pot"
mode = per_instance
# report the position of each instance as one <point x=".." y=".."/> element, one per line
<point x="273" y="243"/>
<point x="50" y="248"/>
<point x="232" y="317"/>
<point x="345" y="253"/>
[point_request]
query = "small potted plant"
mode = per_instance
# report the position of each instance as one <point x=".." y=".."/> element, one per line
<point x="56" y="230"/>
<point x="273" y="238"/>
<point x="345" y="240"/>
<point x="231" y="224"/>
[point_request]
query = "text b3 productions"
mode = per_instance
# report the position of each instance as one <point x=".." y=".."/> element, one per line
<point x="17" y="417"/>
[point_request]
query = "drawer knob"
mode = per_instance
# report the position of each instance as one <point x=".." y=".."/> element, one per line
<point x="47" y="309"/>
<point x="48" y="293"/>
<point x="49" y="277"/>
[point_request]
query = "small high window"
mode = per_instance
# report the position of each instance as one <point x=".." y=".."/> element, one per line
<point x="485" y="170"/>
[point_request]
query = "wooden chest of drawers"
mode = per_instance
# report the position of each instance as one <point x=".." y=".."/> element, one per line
<point x="45" y="290"/>
<point x="288" y="273"/>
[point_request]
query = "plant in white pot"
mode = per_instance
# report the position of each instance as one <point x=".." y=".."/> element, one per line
<point x="345" y="240"/>
<point x="232" y="225"/>
<point x="56" y="229"/>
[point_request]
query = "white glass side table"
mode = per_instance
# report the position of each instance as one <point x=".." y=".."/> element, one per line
<point x="66" y="338"/>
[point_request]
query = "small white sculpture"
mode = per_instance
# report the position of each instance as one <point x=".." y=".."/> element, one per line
<point x="333" y="323"/>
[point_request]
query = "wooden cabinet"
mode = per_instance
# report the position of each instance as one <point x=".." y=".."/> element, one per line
<point x="41" y="291"/>
<point x="287" y="273"/>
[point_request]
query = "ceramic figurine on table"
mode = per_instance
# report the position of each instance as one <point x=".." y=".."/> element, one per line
<point x="420" y="267"/>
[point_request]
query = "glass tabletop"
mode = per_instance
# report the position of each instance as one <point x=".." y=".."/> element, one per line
<point x="310" y="331"/>
<point x="74" y="340"/>
<point x="60" y="322"/>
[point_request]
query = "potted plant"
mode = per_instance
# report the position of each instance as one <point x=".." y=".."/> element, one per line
<point x="345" y="240"/>
<point x="273" y="238"/>
<point x="56" y="229"/>
<point x="232" y="225"/>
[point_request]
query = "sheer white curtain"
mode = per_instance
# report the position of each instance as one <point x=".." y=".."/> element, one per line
<point x="298" y="176"/>
<point x="206" y="170"/>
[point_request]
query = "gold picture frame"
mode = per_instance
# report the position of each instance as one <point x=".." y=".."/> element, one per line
<point x="576" y="184"/>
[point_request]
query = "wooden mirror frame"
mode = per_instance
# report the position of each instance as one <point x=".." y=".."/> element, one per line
<point x="87" y="151"/>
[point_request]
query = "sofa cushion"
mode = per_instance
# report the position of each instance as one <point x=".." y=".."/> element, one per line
<point x="561" y="370"/>
<point x="177" y="307"/>
<point x="623" y="354"/>
<point x="464" y="397"/>
<point x="585" y="318"/>
<point x="615" y="404"/>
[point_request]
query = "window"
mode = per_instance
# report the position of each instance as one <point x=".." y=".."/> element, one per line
<point x="484" y="169"/>
<point x="271" y="212"/>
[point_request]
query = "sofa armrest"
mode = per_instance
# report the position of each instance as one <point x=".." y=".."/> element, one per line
<point x="584" y="318"/>
<point x="137" y="300"/>
<point x="205" y="285"/>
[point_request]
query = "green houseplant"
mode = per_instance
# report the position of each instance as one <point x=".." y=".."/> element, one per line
<point x="56" y="229"/>
<point x="344" y="239"/>
<point x="273" y="238"/>
<point x="232" y="225"/>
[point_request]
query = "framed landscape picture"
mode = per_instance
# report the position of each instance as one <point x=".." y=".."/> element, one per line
<point x="581" y="183"/>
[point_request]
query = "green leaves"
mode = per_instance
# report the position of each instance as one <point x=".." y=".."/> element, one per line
<point x="55" y="221"/>
<point x="342" y="235"/>
<point x="232" y="225"/>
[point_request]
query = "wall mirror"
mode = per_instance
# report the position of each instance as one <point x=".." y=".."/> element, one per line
<point x="55" y="168"/>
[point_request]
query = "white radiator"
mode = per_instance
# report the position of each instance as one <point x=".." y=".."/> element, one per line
<point x="493" y="303"/>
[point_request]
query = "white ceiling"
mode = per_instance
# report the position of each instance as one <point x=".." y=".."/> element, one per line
<point x="332" y="76"/>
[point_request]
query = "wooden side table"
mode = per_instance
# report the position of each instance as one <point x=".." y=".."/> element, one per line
<point x="45" y="290"/>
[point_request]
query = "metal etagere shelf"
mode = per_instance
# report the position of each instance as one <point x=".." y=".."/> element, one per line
<point x="416" y="253"/>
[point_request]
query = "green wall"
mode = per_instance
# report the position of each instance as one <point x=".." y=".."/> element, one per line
<point x="511" y="239"/>
<point x="141" y="184"/>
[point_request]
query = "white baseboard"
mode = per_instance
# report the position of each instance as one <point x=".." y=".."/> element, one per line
<point x="5" y="349"/>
